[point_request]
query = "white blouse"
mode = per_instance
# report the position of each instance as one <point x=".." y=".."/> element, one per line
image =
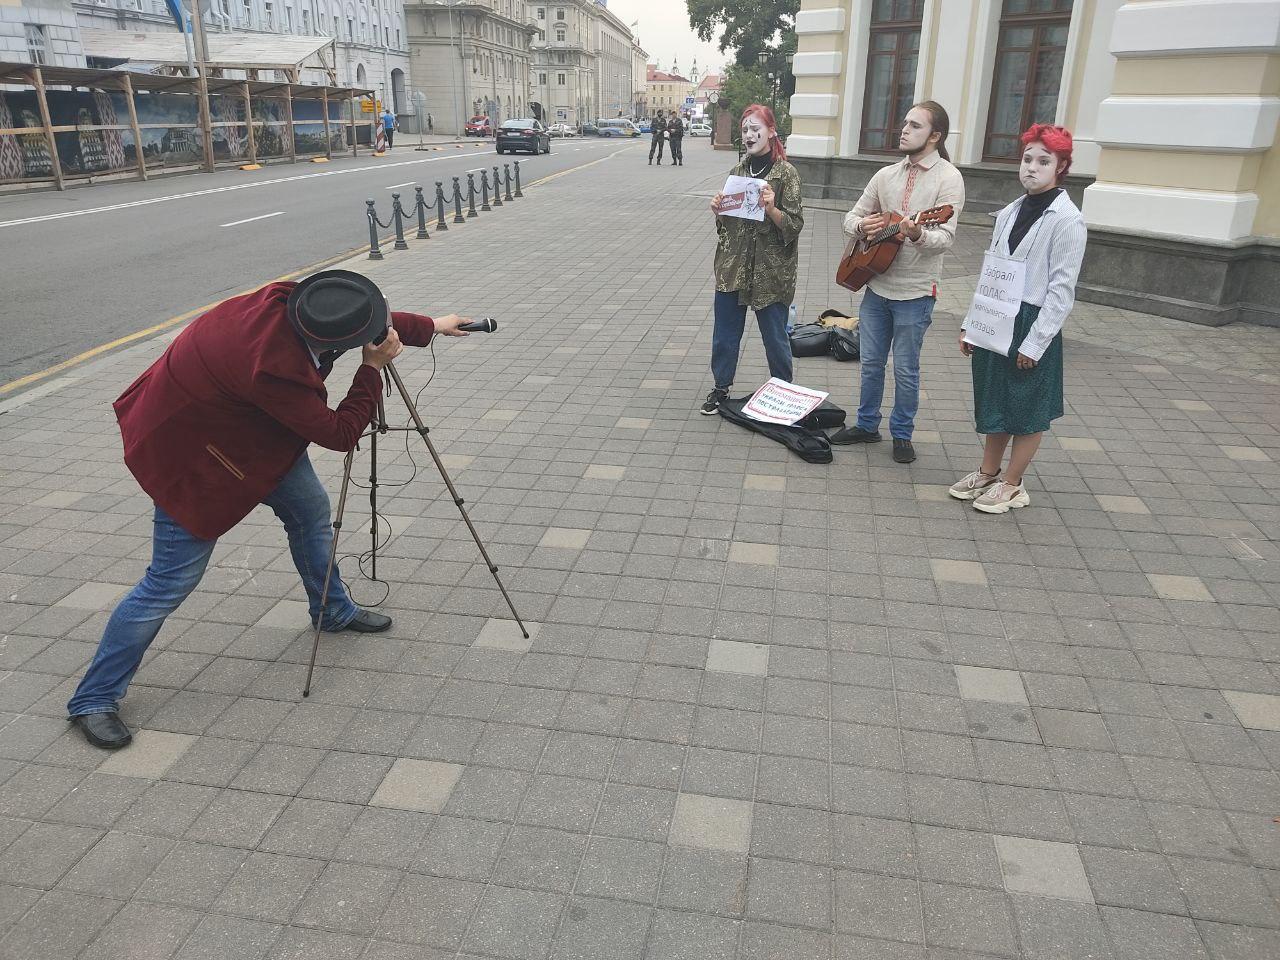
<point x="1053" y="250"/>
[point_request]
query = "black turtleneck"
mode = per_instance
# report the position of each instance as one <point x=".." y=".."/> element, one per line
<point x="1033" y="206"/>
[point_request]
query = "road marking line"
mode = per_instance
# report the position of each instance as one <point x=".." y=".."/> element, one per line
<point x="397" y="186"/>
<point x="166" y="324"/>
<point x="204" y="193"/>
<point x="581" y="166"/>
<point x="265" y="216"/>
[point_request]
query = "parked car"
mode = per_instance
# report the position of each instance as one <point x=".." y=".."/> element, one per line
<point x="528" y="135"/>
<point x="478" y="126"/>
<point x="589" y="129"/>
<point x="645" y="125"/>
<point x="561" y="130"/>
<point x="699" y="128"/>
<point x="617" y="128"/>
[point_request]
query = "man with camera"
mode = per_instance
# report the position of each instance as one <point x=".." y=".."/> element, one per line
<point x="220" y="423"/>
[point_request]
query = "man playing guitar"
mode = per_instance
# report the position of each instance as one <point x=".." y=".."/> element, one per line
<point x="897" y="306"/>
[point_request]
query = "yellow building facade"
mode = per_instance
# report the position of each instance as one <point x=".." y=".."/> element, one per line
<point x="1173" y="104"/>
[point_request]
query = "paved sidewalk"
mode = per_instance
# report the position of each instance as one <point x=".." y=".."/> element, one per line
<point x="769" y="709"/>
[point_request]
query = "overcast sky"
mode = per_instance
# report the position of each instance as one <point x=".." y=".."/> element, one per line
<point x="665" y="33"/>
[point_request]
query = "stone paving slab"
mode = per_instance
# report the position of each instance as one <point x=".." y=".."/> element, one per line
<point x="767" y="709"/>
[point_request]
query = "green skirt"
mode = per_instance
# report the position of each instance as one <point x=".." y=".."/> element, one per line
<point x="1009" y="400"/>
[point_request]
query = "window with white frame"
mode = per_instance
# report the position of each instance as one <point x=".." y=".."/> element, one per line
<point x="37" y="43"/>
<point x="246" y="13"/>
<point x="560" y="79"/>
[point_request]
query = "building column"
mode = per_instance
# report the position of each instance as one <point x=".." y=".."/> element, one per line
<point x="819" y="68"/>
<point x="1186" y="195"/>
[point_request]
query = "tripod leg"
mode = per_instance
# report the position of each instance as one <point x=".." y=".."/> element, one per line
<point x="453" y="492"/>
<point x="328" y="573"/>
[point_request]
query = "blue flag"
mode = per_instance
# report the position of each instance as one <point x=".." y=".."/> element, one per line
<point x="179" y="15"/>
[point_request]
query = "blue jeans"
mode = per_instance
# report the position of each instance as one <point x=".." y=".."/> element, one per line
<point x="178" y="561"/>
<point x="726" y="338"/>
<point x="900" y="325"/>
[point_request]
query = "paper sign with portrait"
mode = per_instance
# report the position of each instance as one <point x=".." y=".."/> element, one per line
<point x="741" y="198"/>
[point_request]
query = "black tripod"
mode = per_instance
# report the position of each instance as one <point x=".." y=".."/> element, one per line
<point x="379" y="425"/>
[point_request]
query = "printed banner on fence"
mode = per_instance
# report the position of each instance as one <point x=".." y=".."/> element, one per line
<point x="783" y="403"/>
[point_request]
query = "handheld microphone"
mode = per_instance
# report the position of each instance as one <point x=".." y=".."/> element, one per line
<point x="483" y="325"/>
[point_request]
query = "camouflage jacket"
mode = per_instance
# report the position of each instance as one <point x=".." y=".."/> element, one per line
<point x="758" y="260"/>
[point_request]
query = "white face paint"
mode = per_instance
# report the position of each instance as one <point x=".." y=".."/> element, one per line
<point x="916" y="130"/>
<point x="1039" y="169"/>
<point x="755" y="136"/>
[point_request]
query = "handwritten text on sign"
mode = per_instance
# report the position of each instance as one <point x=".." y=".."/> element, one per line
<point x="781" y="402"/>
<point x="996" y="302"/>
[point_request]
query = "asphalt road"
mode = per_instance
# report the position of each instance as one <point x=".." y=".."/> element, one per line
<point x="92" y="264"/>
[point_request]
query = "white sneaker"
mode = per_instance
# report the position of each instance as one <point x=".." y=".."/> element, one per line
<point x="972" y="486"/>
<point x="1002" y="497"/>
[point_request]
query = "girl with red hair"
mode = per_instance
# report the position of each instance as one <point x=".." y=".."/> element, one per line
<point x="1016" y="397"/>
<point x="756" y="260"/>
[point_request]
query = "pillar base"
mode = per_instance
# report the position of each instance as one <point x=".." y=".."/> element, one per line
<point x="1187" y="280"/>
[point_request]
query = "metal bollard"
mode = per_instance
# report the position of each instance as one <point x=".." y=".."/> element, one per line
<point x="457" y="202"/>
<point x="471" y="196"/>
<point x="374" y="252"/>
<point x="421" y="206"/>
<point x="397" y="218"/>
<point x="440" y="224"/>
<point x="507" y="167"/>
<point x="484" y="191"/>
<point x="518" y="193"/>
<point x="497" y="187"/>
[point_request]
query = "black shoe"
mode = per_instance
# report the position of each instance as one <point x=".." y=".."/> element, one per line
<point x="855" y="435"/>
<point x="105" y="730"/>
<point x="903" y="451"/>
<point x="651" y="162"/>
<point x="713" y="401"/>
<point x="366" y="621"/>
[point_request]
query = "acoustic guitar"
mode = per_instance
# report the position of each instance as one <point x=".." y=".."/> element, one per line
<point x="868" y="257"/>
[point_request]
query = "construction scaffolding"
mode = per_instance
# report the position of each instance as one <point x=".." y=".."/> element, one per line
<point x="60" y="124"/>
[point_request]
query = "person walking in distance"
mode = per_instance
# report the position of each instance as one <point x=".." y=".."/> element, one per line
<point x="389" y="125"/>
<point x="1017" y="397"/>
<point x="897" y="306"/>
<point x="675" y="133"/>
<point x="756" y="260"/>
<point x="431" y="125"/>
<point x="658" y="136"/>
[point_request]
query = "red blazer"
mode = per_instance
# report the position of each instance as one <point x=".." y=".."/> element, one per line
<point x="212" y="427"/>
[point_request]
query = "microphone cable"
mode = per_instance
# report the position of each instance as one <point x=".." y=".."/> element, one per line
<point x="380" y="523"/>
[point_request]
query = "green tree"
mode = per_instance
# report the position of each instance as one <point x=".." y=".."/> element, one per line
<point x="750" y="26"/>
<point x="744" y="86"/>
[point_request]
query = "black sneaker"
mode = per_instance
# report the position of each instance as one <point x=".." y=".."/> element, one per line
<point x="713" y="401"/>
<point x="855" y="435"/>
<point x="903" y="451"/>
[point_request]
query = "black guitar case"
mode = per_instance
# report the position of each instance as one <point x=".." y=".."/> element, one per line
<point x="808" y="445"/>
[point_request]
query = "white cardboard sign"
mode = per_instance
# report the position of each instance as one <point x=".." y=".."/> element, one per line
<point x="783" y="403"/>
<point x="996" y="301"/>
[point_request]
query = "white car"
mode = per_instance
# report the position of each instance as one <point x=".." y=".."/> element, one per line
<point x="562" y="130"/>
<point x="699" y="129"/>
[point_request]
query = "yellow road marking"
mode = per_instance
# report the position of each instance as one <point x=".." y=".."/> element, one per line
<point x="97" y="351"/>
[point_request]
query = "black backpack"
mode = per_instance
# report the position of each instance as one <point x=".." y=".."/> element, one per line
<point x="810" y="340"/>
<point x="844" y="344"/>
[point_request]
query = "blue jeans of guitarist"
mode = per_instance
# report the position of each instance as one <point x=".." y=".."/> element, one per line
<point x="899" y="326"/>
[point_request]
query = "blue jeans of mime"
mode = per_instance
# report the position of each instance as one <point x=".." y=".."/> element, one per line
<point x="178" y="561"/>
<point x="900" y="326"/>
<point x="726" y="338"/>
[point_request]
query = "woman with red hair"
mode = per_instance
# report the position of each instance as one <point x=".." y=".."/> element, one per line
<point x="1016" y="396"/>
<point x="755" y="262"/>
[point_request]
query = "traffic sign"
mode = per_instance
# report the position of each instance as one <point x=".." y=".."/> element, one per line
<point x="689" y="101"/>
